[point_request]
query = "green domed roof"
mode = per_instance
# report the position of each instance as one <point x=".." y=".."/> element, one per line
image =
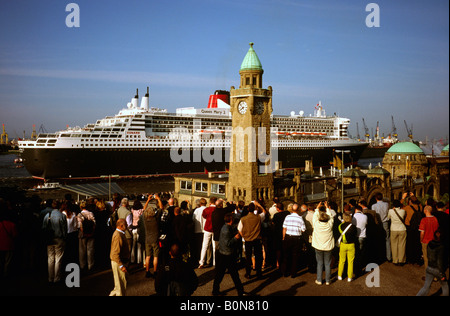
<point x="354" y="173"/>
<point x="445" y="148"/>
<point x="251" y="60"/>
<point x="378" y="170"/>
<point x="405" y="148"/>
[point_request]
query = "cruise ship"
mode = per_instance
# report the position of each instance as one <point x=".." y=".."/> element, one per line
<point x="141" y="140"/>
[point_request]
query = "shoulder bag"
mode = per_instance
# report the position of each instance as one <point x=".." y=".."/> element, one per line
<point x="399" y="217"/>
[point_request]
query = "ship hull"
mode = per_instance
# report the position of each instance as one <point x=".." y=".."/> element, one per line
<point x="84" y="163"/>
<point x="374" y="152"/>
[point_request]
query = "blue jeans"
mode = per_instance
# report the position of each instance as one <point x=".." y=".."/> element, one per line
<point x="323" y="258"/>
<point x="430" y="274"/>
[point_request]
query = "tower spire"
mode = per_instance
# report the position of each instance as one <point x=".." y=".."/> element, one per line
<point x="251" y="60"/>
<point x="251" y="69"/>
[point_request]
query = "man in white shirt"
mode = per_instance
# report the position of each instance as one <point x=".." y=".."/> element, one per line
<point x="360" y="221"/>
<point x="199" y="224"/>
<point x="293" y="227"/>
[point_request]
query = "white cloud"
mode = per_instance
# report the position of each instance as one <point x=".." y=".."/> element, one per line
<point x="155" y="78"/>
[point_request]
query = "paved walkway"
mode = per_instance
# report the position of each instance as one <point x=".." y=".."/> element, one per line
<point x="390" y="281"/>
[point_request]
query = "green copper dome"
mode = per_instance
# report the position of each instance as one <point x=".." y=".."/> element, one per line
<point x="445" y="148"/>
<point x="405" y="148"/>
<point x="251" y="60"/>
<point x="354" y="173"/>
<point x="378" y="170"/>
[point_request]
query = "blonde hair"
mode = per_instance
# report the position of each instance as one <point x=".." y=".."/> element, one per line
<point x="149" y="212"/>
<point x="323" y="217"/>
<point x="347" y="217"/>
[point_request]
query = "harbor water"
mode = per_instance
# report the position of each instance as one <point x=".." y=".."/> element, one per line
<point x="12" y="175"/>
<point x="15" y="175"/>
<point x="11" y="171"/>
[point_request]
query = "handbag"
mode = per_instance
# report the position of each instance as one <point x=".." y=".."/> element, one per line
<point x="338" y="243"/>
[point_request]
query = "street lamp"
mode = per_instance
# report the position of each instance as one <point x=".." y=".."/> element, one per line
<point x="342" y="175"/>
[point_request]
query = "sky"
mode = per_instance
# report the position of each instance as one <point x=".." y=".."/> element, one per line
<point x="52" y="75"/>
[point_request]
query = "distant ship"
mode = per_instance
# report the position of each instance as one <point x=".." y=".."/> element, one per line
<point x="378" y="146"/>
<point x="138" y="141"/>
<point x="378" y="149"/>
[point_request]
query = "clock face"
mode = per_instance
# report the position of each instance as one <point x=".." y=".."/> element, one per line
<point x="242" y="107"/>
<point x="259" y="108"/>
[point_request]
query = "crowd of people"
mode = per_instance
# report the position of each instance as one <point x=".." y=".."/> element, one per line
<point x="171" y="240"/>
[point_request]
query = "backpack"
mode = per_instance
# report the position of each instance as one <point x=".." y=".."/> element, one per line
<point x="88" y="227"/>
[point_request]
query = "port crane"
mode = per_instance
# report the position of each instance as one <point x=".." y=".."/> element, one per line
<point x="377" y="132"/>
<point x="42" y="129"/>
<point x="357" y="132"/>
<point x="366" y="129"/>
<point x="394" y="129"/>
<point x="409" y="130"/>
<point x="33" y="133"/>
<point x="4" y="136"/>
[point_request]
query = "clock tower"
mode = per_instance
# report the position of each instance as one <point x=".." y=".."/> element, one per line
<point x="250" y="172"/>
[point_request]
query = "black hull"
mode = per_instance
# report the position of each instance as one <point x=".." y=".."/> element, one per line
<point x="4" y="148"/>
<point x="374" y="152"/>
<point x="84" y="163"/>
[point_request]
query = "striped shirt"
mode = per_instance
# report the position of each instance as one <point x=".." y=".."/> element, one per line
<point x="294" y="225"/>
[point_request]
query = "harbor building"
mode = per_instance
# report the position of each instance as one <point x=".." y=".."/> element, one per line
<point x="444" y="151"/>
<point x="302" y="186"/>
<point x="405" y="159"/>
